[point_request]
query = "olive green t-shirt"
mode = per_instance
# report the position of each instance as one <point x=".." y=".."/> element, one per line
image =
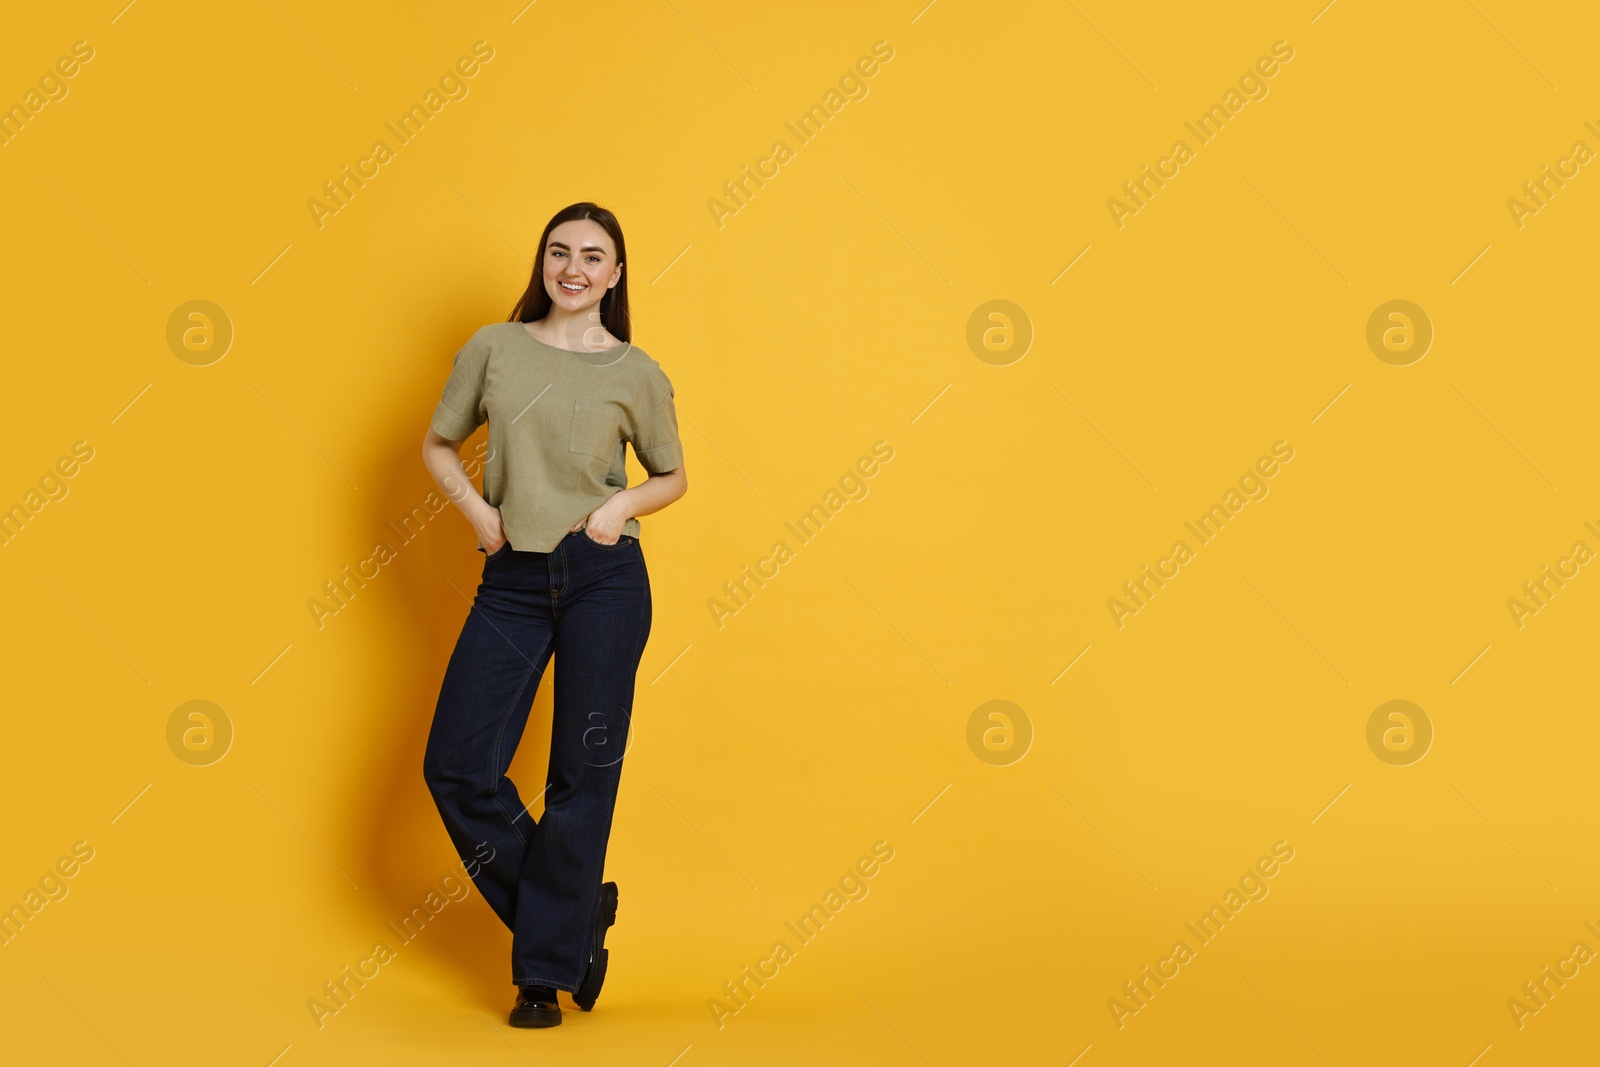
<point x="557" y="423"/>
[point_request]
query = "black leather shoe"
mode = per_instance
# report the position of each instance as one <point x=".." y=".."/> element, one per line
<point x="536" y="1006"/>
<point x="593" y="978"/>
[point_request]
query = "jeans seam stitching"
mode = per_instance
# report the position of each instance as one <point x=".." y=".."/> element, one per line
<point x="499" y="739"/>
<point x="594" y="912"/>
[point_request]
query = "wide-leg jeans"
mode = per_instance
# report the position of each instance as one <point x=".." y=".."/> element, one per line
<point x="588" y="605"/>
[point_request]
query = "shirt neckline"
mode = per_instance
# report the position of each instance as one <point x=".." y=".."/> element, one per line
<point x="603" y="357"/>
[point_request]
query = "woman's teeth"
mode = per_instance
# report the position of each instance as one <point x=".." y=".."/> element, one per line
<point x="573" y="288"/>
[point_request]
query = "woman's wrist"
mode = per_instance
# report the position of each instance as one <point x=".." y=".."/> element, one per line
<point x="477" y="510"/>
<point x="459" y="490"/>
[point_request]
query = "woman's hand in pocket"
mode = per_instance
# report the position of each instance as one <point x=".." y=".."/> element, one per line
<point x="491" y="530"/>
<point x="605" y="523"/>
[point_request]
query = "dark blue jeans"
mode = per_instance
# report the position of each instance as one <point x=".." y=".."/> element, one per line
<point x="588" y="605"/>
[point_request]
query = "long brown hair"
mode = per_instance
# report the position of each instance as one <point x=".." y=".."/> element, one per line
<point x="535" y="302"/>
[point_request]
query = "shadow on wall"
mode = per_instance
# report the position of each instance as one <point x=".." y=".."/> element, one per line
<point x="422" y="571"/>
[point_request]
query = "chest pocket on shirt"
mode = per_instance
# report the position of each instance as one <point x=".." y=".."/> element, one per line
<point x="595" y="431"/>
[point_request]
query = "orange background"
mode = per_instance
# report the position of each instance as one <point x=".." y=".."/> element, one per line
<point x="1040" y="860"/>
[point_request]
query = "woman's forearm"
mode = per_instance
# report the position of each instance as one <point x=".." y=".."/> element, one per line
<point x="443" y="460"/>
<point x="656" y="492"/>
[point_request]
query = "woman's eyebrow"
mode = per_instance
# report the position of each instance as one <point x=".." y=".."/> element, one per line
<point x="586" y="248"/>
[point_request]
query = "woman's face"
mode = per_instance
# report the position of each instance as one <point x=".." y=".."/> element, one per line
<point x="579" y="265"/>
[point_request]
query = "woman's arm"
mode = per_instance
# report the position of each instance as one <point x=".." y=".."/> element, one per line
<point x="442" y="457"/>
<point x="656" y="492"/>
<point x="650" y="495"/>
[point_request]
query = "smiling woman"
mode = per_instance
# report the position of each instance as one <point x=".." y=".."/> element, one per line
<point x="558" y="420"/>
<point x="563" y="389"/>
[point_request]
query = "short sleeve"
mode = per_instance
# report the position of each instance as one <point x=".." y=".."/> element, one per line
<point x="654" y="421"/>
<point x="461" y="409"/>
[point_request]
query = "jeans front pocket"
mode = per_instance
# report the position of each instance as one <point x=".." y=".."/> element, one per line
<point x="622" y="540"/>
<point x="497" y="553"/>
